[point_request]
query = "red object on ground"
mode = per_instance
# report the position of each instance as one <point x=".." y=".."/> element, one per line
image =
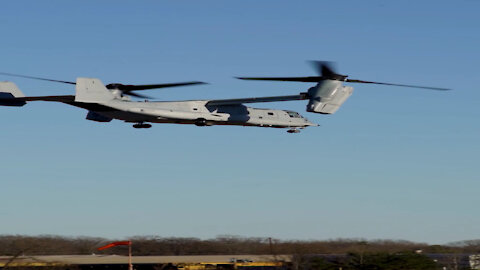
<point x="114" y="244"/>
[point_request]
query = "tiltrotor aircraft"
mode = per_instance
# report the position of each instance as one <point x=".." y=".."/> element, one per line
<point x="112" y="101"/>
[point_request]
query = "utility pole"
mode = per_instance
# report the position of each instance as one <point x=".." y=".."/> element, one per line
<point x="271" y="249"/>
<point x="130" y="265"/>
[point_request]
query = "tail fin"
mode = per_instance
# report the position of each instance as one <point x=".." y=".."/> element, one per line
<point x="9" y="94"/>
<point x="91" y="90"/>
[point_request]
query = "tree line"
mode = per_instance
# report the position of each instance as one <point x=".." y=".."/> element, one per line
<point x="11" y="245"/>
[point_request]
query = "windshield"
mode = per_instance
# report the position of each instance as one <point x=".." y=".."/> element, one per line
<point x="294" y="114"/>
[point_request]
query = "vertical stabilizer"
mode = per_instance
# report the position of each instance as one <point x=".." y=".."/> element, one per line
<point x="91" y="90"/>
<point x="8" y="92"/>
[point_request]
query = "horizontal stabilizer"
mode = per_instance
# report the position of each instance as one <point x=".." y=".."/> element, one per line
<point x="64" y="99"/>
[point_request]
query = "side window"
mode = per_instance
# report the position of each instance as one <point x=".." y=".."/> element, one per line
<point x="270" y="113"/>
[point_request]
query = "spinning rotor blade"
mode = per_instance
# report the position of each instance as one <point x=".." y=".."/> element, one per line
<point x="324" y="68"/>
<point x="126" y="89"/>
<point x="129" y="87"/>
<point x="285" y="79"/>
<point x="36" y="78"/>
<point x="133" y="94"/>
<point x="396" y="84"/>
<point x="327" y="72"/>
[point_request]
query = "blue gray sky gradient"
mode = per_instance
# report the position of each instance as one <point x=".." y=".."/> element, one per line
<point x="392" y="163"/>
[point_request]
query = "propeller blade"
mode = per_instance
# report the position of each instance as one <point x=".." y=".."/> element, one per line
<point x="395" y="84"/>
<point x="133" y="94"/>
<point x="36" y="78"/>
<point x="285" y="79"/>
<point x="327" y="70"/>
<point x="126" y="89"/>
<point x="324" y="68"/>
<point x="131" y="87"/>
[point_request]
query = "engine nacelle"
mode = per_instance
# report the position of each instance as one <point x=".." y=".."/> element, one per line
<point x="327" y="96"/>
<point x="93" y="116"/>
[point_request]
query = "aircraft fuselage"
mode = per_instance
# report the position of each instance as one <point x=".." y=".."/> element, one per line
<point x="195" y="112"/>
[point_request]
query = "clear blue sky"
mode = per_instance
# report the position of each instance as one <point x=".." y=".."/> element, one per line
<point x="392" y="163"/>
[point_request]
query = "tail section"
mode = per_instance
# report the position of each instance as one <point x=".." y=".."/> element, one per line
<point x="10" y="95"/>
<point x="91" y="90"/>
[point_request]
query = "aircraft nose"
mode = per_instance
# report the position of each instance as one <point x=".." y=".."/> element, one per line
<point x="311" y="123"/>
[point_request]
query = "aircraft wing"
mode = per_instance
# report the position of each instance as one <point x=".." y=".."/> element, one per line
<point x="219" y="102"/>
<point x="68" y="98"/>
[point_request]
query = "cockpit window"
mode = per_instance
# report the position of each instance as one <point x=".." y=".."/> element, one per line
<point x="294" y="114"/>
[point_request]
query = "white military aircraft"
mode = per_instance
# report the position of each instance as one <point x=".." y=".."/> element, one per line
<point x="112" y="101"/>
